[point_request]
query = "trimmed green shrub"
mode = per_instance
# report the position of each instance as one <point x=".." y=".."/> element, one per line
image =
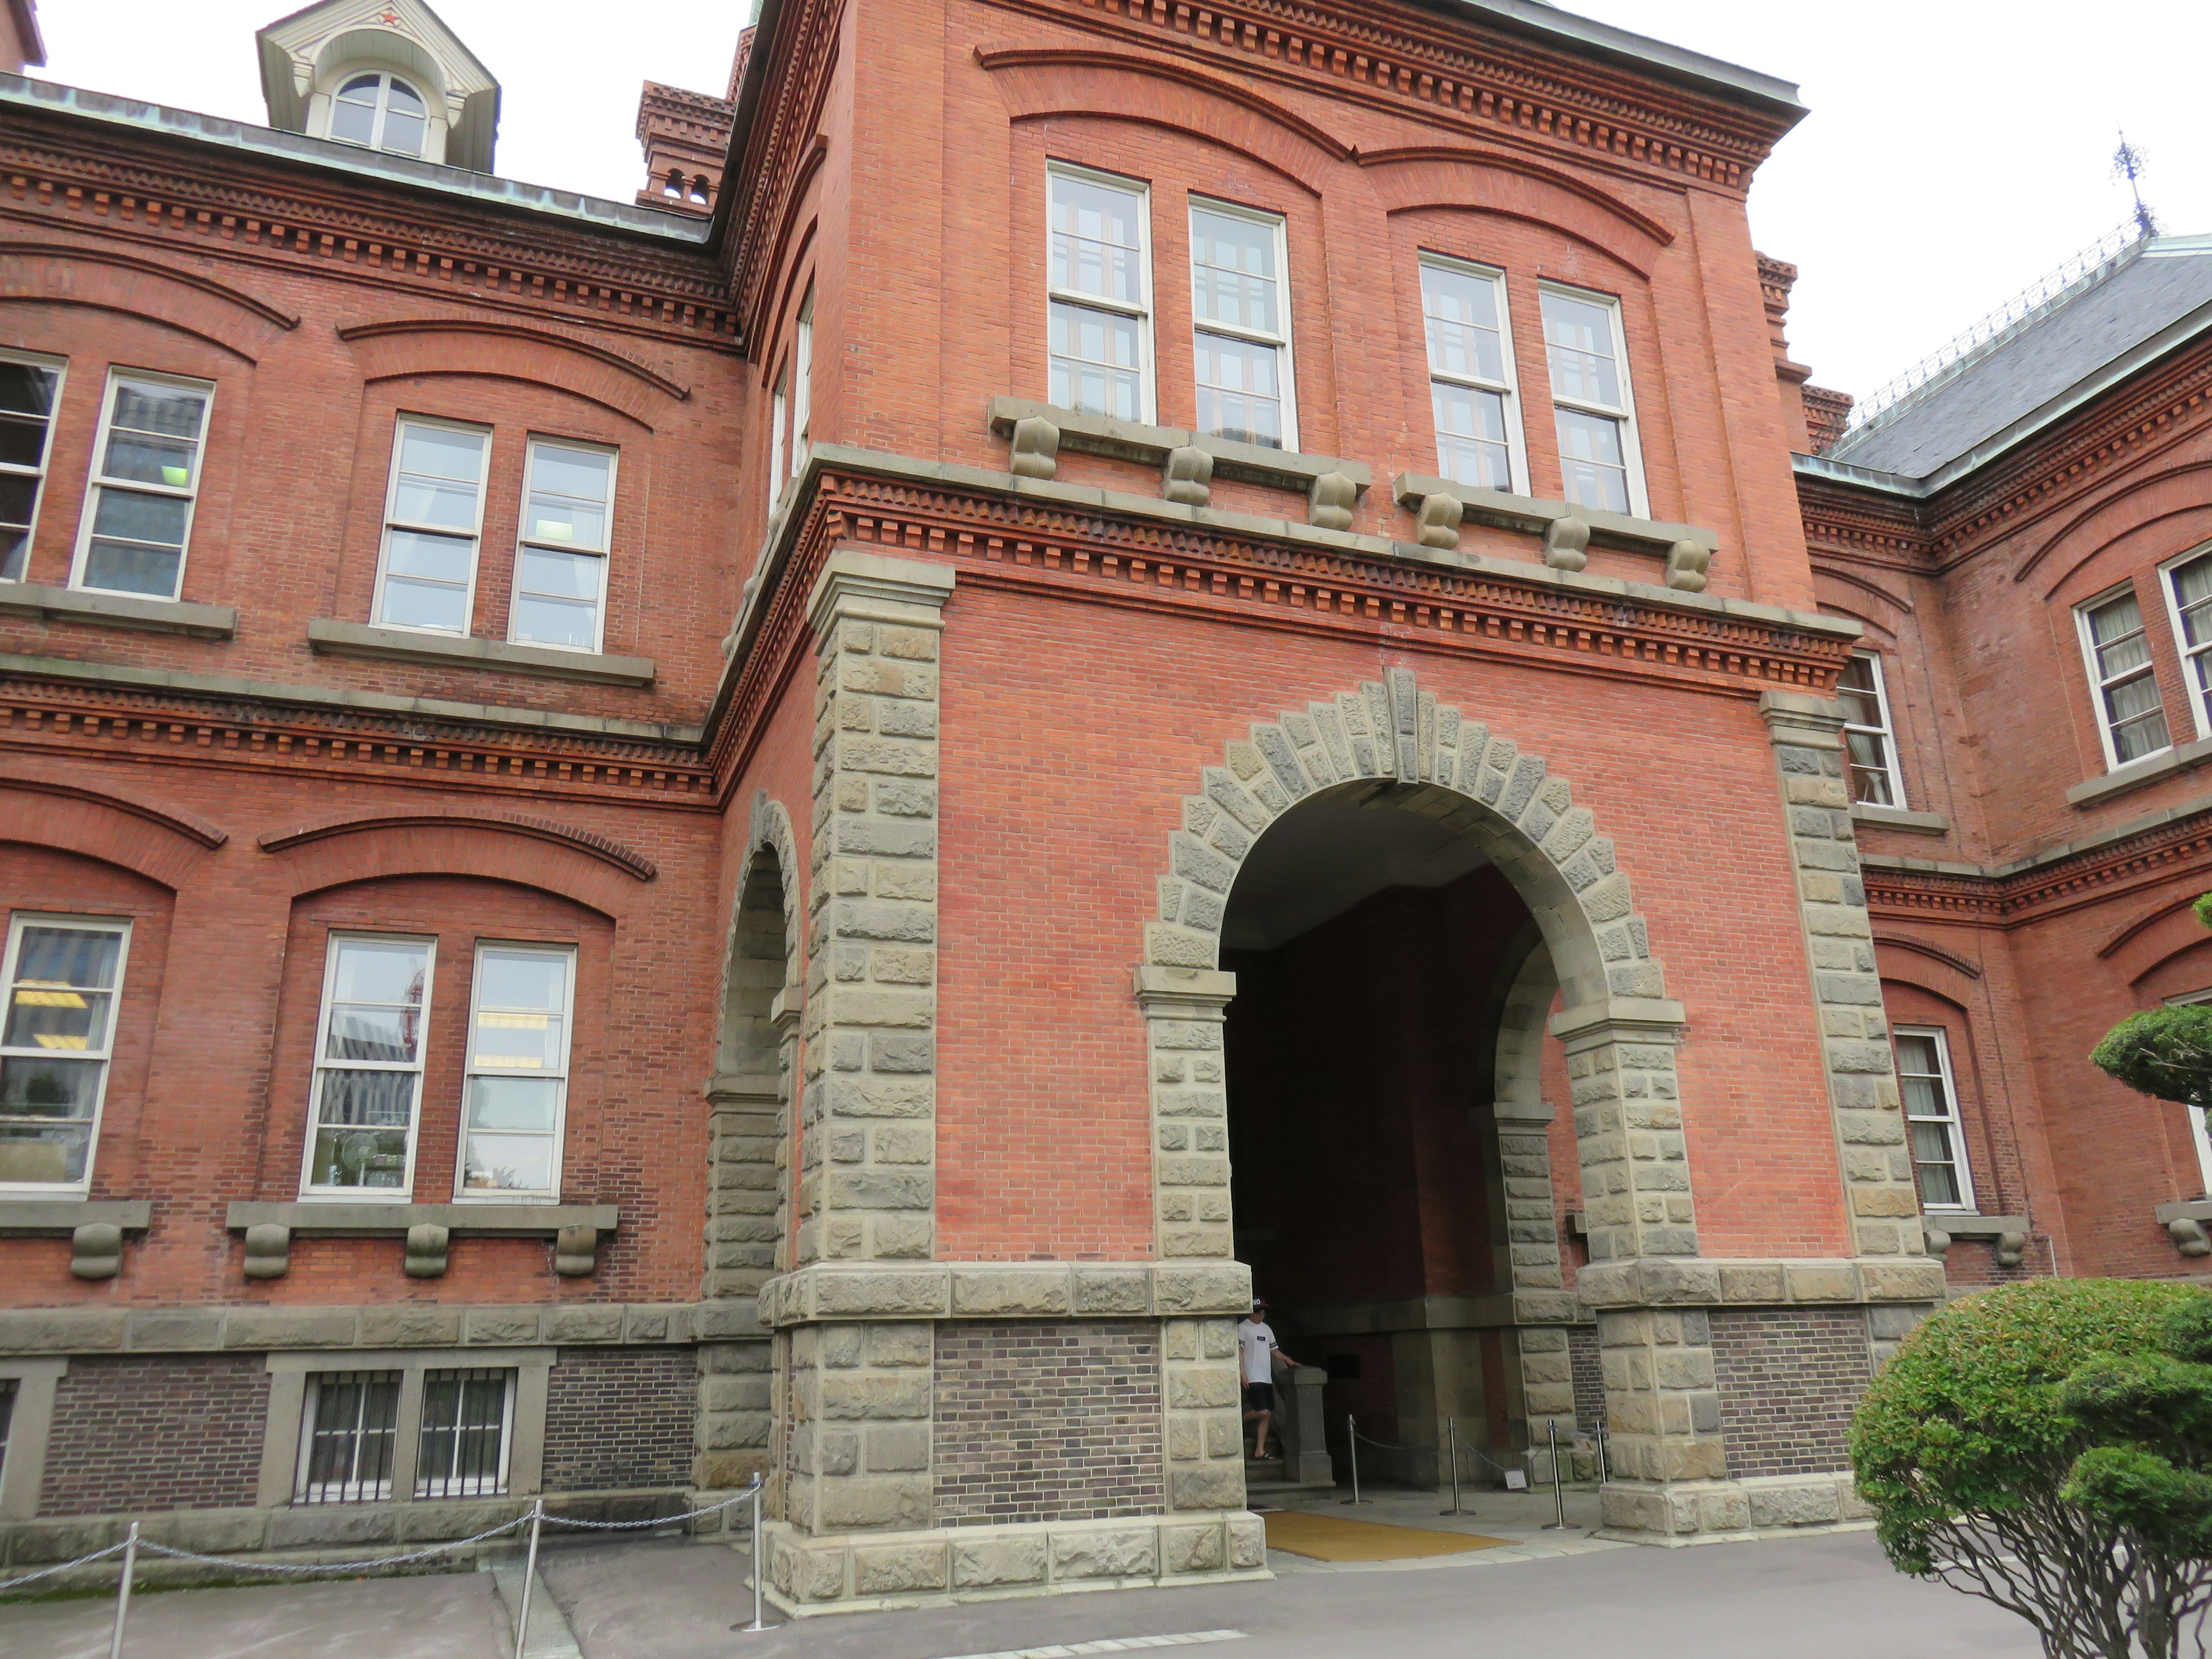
<point x="2048" y="1447"/>
<point x="2164" y="1052"/>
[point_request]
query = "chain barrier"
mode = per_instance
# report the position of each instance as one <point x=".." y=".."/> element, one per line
<point x="535" y="1518"/>
<point x="48" y="1572"/>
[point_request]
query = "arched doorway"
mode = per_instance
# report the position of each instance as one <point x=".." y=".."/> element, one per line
<point x="1391" y="988"/>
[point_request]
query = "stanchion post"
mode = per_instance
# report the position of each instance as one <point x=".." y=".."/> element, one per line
<point x="529" y="1575"/>
<point x="1604" y="1463"/>
<point x="123" y="1591"/>
<point x="1451" y="1436"/>
<point x="1351" y="1442"/>
<point x="1558" y="1491"/>
<point x="758" y="1623"/>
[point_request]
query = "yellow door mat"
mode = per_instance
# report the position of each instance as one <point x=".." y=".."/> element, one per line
<point x="1335" y="1538"/>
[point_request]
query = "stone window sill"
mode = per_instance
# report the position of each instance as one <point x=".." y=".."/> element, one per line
<point x="345" y="639"/>
<point x="94" y="1228"/>
<point x="1440" y="506"/>
<point x="2007" y="1235"/>
<point x="269" y="1230"/>
<point x="1896" y="818"/>
<point x="1189" y="461"/>
<point x="73" y="605"/>
<point x="2167" y="763"/>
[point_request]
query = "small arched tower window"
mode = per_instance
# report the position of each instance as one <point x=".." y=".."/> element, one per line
<point x="699" y="188"/>
<point x="382" y="112"/>
<point x="673" y="189"/>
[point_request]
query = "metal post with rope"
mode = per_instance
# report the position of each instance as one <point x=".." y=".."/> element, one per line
<point x="1451" y="1434"/>
<point x="529" y="1575"/>
<point x="122" y="1592"/>
<point x="1558" y="1491"/>
<point x="1352" y="1433"/>
<point x="758" y="1623"/>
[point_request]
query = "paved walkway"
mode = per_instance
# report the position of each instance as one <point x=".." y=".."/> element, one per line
<point x="1830" y="1596"/>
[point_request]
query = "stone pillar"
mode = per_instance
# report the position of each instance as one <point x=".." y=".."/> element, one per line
<point x="867" y="1141"/>
<point x="1183" y="1010"/>
<point x="1872" y="1145"/>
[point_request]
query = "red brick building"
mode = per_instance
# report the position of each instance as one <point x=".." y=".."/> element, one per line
<point x="1102" y="649"/>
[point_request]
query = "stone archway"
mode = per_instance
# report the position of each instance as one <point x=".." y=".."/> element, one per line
<point x="1594" y="954"/>
<point x="750" y="1123"/>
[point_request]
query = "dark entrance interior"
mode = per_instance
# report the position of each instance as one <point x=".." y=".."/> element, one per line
<point x="1375" y="949"/>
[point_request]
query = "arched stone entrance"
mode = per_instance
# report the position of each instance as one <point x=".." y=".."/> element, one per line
<point x="1391" y="744"/>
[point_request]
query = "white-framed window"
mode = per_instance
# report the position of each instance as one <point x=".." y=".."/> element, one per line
<point x="561" y="565"/>
<point x="1870" y="739"/>
<point x="779" y="407"/>
<point x="433" y="518"/>
<point x="348" y="1435"/>
<point x="382" y="112"/>
<point x="1240" y="309"/>
<point x="802" y="382"/>
<point x="64" y="978"/>
<point x="145" y="478"/>
<point x="30" y="392"/>
<point x="516" y="1094"/>
<point x="1473" y="387"/>
<point x="1098" y="294"/>
<point x="1601" y="463"/>
<point x="468" y="1418"/>
<point x="2188" y="584"/>
<point x="2116" y="647"/>
<point x="2197" y="1131"/>
<point x="1931" y="1117"/>
<point x="367" y="1089"/>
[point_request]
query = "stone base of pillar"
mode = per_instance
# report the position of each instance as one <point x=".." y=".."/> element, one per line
<point x="1673" y="1513"/>
<point x="863" y="1572"/>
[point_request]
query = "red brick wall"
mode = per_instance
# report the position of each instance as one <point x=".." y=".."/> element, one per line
<point x="1789" y="1378"/>
<point x="617" y="1418"/>
<point x="147" y="1435"/>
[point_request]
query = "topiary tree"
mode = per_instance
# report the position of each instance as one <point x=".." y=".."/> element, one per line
<point x="2048" y="1447"/>
<point x="2166" y="1052"/>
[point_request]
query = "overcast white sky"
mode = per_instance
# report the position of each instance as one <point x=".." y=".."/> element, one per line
<point x="1956" y="148"/>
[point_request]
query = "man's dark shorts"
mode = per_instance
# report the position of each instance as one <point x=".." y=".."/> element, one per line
<point x="1259" y="1396"/>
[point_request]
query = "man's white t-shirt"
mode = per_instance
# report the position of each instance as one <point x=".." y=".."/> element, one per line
<point x="1257" y="1342"/>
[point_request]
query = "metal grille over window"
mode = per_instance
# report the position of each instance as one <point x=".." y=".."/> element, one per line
<point x="1874" y="771"/>
<point x="376" y="999"/>
<point x="1100" y="299"/>
<point x="518" y="1072"/>
<point x="1589" y="398"/>
<point x="146" y="472"/>
<point x="1470" y="375"/>
<point x="349" y="1436"/>
<point x="561" y="580"/>
<point x="28" y="392"/>
<point x="1241" y="341"/>
<point x="463" y="1449"/>
<point x="62" y="980"/>
<point x="432" y="522"/>
<point x="1931" y="1112"/>
<point x="2126" y="687"/>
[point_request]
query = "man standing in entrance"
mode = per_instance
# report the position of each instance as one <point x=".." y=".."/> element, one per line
<point x="1255" y="1341"/>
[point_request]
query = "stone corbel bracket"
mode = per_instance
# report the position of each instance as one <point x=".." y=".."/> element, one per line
<point x="2189" y="1224"/>
<point x="94" y="1228"/>
<point x="2007" y="1234"/>
<point x="427" y="1228"/>
<point x="1440" y="506"/>
<point x="828" y="1291"/>
<point x="1188" y="461"/>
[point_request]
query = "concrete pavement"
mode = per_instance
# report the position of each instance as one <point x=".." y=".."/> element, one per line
<point x="1831" y="1596"/>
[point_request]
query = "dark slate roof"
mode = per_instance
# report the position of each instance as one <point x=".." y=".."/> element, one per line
<point x="2108" y="322"/>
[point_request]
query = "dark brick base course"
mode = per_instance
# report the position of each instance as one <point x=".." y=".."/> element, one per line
<point x="620" y="1418"/>
<point x="1043" y="1422"/>
<point x="1586" y="1367"/>
<point x="1789" y="1378"/>
<point x="138" y="1435"/>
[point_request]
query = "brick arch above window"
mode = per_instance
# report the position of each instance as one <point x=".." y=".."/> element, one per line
<point x="1040" y="81"/>
<point x="65" y="273"/>
<point x="164" y="844"/>
<point x="1483" y="782"/>
<point x="2148" y="501"/>
<point x="1482" y="181"/>
<point x="443" y="345"/>
<point x="590" y="870"/>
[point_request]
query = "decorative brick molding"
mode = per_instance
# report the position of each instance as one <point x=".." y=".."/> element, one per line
<point x="867" y="1141"/>
<point x="1869" y="1119"/>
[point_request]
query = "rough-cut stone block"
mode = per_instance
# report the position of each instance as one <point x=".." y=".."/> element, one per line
<point x="1129" y="1552"/>
<point x="1793" y="1504"/>
<point x="989" y="1562"/>
<point x="1192" y="1549"/>
<point x="892" y="1569"/>
<point x="982" y="1290"/>
<point x="1208" y="1487"/>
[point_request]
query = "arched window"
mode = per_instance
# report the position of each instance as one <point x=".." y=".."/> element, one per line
<point x="673" y="189"/>
<point x="699" y="188"/>
<point x="382" y="112"/>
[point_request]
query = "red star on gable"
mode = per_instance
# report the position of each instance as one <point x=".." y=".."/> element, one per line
<point x="387" y="17"/>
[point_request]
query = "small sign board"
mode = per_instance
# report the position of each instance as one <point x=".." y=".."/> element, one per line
<point x="1517" y="1479"/>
